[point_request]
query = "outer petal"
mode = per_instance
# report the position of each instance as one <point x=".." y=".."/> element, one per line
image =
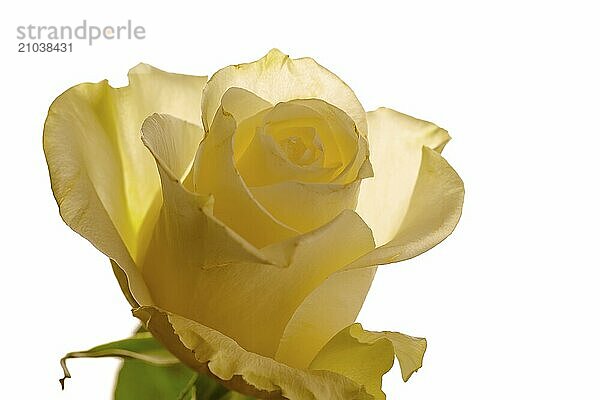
<point x="103" y="178"/>
<point x="277" y="78"/>
<point x="365" y="356"/>
<point x="209" y="351"/>
<point x="395" y="142"/>
<point x="415" y="199"/>
<point x="434" y="210"/>
<point x="248" y="301"/>
<point x="327" y="310"/>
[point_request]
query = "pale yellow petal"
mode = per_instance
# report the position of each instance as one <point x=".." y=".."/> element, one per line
<point x="433" y="212"/>
<point x="209" y="351"/>
<point x="302" y="194"/>
<point x="186" y="231"/>
<point x="395" y="142"/>
<point x="173" y="143"/>
<point x="127" y="284"/>
<point x="409" y="350"/>
<point x="215" y="173"/>
<point x="333" y="128"/>
<point x="265" y="163"/>
<point x="248" y="300"/>
<point x="306" y="206"/>
<point x="307" y="141"/>
<point x="164" y="92"/>
<point x="366" y="356"/>
<point x="328" y="309"/>
<point x="352" y="146"/>
<point x="103" y="178"/>
<point x="243" y="105"/>
<point x="277" y="78"/>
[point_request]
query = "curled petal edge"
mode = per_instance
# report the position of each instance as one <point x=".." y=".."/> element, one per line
<point x="210" y="352"/>
<point x="433" y="213"/>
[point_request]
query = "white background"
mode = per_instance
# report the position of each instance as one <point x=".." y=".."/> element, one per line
<point x="509" y="303"/>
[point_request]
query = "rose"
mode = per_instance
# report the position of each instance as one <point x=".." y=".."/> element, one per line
<point x="236" y="227"/>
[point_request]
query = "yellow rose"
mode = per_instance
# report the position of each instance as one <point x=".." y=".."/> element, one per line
<point x="246" y="225"/>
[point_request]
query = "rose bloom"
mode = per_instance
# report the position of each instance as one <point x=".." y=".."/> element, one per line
<point x="245" y="216"/>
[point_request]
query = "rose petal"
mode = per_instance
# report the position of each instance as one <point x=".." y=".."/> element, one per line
<point x="395" y="142"/>
<point x="433" y="212"/>
<point x="366" y="356"/>
<point x="103" y="178"/>
<point x="243" y="104"/>
<point x="243" y="295"/>
<point x="306" y="206"/>
<point x="341" y="151"/>
<point x="209" y="351"/>
<point x="277" y="78"/>
<point x="173" y="143"/>
<point x="214" y="173"/>
<point x="186" y="232"/>
<point x="131" y="282"/>
<point x="353" y="147"/>
<point x="329" y="308"/>
<point x="272" y="180"/>
<point x="265" y="163"/>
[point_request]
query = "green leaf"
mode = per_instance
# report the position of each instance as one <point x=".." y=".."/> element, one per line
<point x="150" y="372"/>
<point x="206" y="388"/>
<point x="139" y="380"/>
<point x="235" y="396"/>
<point x="141" y="346"/>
